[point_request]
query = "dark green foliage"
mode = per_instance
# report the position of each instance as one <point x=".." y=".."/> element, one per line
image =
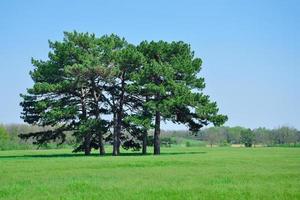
<point x="169" y="82"/>
<point x="188" y="144"/>
<point x="67" y="93"/>
<point x="247" y="137"/>
<point x="107" y="90"/>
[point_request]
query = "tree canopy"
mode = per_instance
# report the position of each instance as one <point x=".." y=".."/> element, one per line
<point x="106" y="90"/>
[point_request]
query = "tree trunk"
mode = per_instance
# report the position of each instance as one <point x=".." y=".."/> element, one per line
<point x="118" y="118"/>
<point x="115" y="136"/>
<point x="87" y="144"/>
<point x="87" y="137"/>
<point x="97" y="115"/>
<point x="119" y="121"/>
<point x="117" y="133"/>
<point x="101" y="145"/>
<point x="156" y="142"/>
<point x="145" y="133"/>
<point x="144" y="150"/>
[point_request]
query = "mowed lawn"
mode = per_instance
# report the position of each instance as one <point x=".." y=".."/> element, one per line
<point x="179" y="173"/>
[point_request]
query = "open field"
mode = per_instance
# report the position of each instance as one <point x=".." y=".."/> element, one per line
<point x="179" y="173"/>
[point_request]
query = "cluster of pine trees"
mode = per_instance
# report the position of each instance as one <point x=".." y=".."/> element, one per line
<point x="106" y="90"/>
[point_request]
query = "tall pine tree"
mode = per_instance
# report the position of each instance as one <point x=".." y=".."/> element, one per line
<point x="169" y="79"/>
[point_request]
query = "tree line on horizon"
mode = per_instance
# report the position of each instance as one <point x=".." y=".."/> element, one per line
<point x="106" y="90"/>
<point x="223" y="136"/>
<point x="281" y="136"/>
<point x="226" y="136"/>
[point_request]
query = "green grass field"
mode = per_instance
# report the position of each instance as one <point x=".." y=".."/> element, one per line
<point x="179" y="173"/>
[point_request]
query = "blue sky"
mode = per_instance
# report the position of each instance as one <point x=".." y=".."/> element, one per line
<point x="250" y="49"/>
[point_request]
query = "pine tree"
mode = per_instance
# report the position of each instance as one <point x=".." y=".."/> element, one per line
<point x="67" y="90"/>
<point x="169" y="79"/>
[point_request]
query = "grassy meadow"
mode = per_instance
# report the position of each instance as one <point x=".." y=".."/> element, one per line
<point x="179" y="173"/>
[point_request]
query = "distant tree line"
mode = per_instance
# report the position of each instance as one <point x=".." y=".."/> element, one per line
<point x="281" y="136"/>
<point x="106" y="90"/>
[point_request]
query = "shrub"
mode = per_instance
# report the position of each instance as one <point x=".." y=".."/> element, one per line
<point x="224" y="144"/>
<point x="188" y="144"/>
<point x="247" y="137"/>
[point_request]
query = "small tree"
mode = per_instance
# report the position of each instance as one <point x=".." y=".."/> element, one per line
<point x="247" y="137"/>
<point x="213" y="135"/>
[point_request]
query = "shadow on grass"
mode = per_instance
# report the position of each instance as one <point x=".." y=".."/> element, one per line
<point x="66" y="155"/>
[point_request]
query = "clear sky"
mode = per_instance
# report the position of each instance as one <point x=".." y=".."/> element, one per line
<point x="250" y="49"/>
